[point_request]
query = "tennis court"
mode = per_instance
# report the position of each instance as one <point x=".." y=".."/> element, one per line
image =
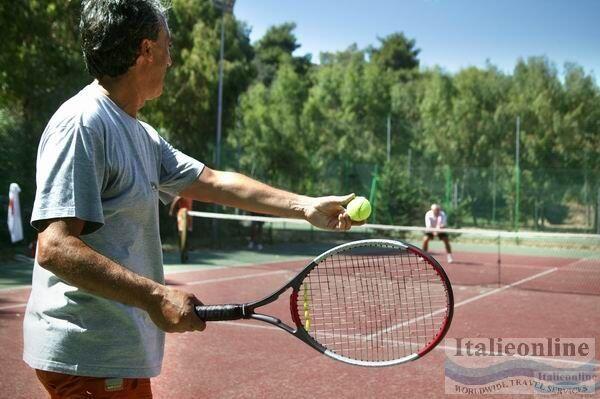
<point x="540" y="290"/>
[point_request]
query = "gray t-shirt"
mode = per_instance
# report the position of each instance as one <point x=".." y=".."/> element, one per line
<point x="98" y="164"/>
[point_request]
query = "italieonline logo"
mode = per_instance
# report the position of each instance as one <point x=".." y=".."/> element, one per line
<point x="549" y="365"/>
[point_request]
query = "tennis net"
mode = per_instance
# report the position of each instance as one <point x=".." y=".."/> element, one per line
<point x="552" y="262"/>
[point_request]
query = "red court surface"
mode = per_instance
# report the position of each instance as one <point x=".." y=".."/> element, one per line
<point x="248" y="359"/>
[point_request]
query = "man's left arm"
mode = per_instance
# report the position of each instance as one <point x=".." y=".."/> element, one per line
<point x="443" y="220"/>
<point x="240" y="191"/>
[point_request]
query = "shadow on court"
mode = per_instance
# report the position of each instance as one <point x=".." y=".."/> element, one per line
<point x="15" y="273"/>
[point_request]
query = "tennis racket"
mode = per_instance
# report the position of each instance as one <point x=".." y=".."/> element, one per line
<point x="368" y="303"/>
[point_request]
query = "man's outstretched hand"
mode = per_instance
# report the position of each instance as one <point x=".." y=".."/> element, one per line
<point x="330" y="212"/>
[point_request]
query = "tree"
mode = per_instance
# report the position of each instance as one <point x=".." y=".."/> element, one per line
<point x="40" y="67"/>
<point x="187" y="111"/>
<point x="401" y="199"/>
<point x="40" y="62"/>
<point x="536" y="96"/>
<point x="580" y="142"/>
<point x="396" y="52"/>
<point x="270" y="137"/>
<point x="277" y="46"/>
<point x="436" y="119"/>
<point x="344" y="110"/>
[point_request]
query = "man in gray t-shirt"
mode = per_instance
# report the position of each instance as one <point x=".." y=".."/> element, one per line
<point x="99" y="308"/>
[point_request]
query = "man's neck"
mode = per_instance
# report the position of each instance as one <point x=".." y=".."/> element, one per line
<point x="124" y="92"/>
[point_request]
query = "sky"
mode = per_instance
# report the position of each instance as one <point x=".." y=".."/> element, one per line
<point x="452" y="34"/>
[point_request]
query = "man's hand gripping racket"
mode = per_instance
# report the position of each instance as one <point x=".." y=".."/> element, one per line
<point x="367" y="303"/>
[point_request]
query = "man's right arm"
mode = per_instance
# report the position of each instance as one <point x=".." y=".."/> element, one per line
<point x="61" y="251"/>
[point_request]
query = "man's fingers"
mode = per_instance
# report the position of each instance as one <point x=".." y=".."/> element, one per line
<point x="332" y="224"/>
<point x="347" y="198"/>
<point x="196" y="301"/>
<point x="197" y="323"/>
<point x="342" y="200"/>
<point x="200" y="325"/>
<point x="344" y="221"/>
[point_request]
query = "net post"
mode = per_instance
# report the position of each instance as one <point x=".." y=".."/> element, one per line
<point x="517" y="174"/>
<point x="373" y="193"/>
<point x="499" y="261"/>
<point x="215" y="226"/>
<point x="494" y="193"/>
<point x="598" y="212"/>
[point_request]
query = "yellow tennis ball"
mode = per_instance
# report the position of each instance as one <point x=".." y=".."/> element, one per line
<point x="359" y="209"/>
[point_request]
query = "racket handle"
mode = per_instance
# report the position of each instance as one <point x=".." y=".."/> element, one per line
<point x="220" y="312"/>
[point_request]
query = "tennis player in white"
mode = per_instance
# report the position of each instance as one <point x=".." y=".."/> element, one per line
<point x="435" y="222"/>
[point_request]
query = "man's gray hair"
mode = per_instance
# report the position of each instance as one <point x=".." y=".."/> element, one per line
<point x="112" y="31"/>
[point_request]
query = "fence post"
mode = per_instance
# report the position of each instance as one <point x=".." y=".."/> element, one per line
<point x="517" y="174"/>
<point x="448" y="187"/>
<point x="499" y="262"/>
<point x="494" y="193"/>
<point x="373" y="194"/>
<point x="598" y="212"/>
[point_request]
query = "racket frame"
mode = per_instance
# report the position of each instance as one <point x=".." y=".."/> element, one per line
<point x="247" y="310"/>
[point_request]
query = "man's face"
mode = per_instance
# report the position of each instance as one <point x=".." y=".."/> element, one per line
<point x="159" y="60"/>
<point x="436" y="211"/>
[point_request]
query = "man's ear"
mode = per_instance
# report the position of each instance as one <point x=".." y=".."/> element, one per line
<point x="145" y="54"/>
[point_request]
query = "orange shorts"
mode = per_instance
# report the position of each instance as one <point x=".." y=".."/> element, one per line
<point x="65" y="386"/>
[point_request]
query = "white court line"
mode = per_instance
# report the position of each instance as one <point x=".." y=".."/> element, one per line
<point x="17" y="288"/>
<point x="456" y="305"/>
<point x="202" y="268"/>
<point x="438" y="347"/>
<point x="199" y="282"/>
<point x="249" y="325"/>
<point x="218" y="280"/>
<point x="175" y="272"/>
<point x="18" y="305"/>
<point x="495" y="291"/>
<point x="477" y="297"/>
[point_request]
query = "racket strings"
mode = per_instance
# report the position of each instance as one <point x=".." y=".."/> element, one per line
<point x="377" y="306"/>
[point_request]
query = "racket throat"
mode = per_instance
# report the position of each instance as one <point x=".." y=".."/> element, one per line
<point x="272" y="320"/>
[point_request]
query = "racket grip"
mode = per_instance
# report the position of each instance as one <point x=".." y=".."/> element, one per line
<point x="220" y="312"/>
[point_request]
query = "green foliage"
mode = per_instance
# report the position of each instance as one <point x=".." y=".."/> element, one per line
<point x="40" y="67"/>
<point x="396" y="52"/>
<point x="277" y="47"/>
<point x="321" y="129"/>
<point x="278" y="41"/>
<point x="40" y="62"/>
<point x="556" y="213"/>
<point x="270" y="135"/>
<point x="401" y="199"/>
<point x="12" y="150"/>
<point x="186" y="112"/>
<point x="344" y="109"/>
